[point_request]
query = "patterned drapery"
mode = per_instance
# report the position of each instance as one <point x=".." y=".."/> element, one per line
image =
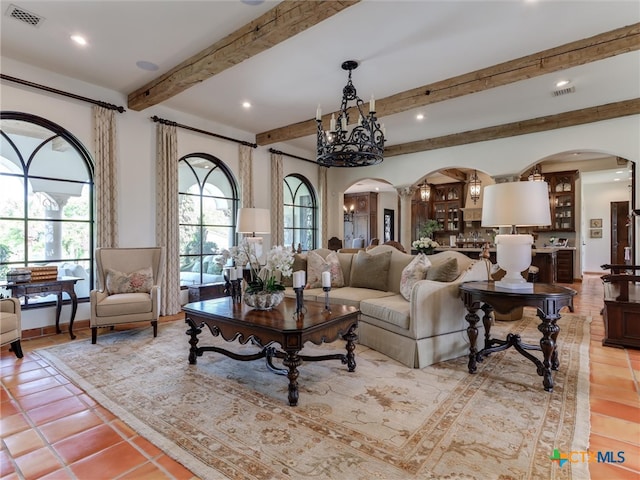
<point x="324" y="206"/>
<point x="246" y="176"/>
<point x="277" y="200"/>
<point x="167" y="218"/>
<point x="106" y="182"/>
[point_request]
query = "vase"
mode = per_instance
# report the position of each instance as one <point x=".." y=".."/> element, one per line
<point x="427" y="251"/>
<point x="263" y="300"/>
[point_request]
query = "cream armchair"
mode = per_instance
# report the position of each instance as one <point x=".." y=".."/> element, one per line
<point x="128" y="287"/>
<point x="10" y="324"/>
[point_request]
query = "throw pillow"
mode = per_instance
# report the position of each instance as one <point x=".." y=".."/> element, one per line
<point x="446" y="271"/>
<point x="370" y="271"/>
<point x="299" y="263"/>
<point x="415" y="271"/>
<point x="134" y="282"/>
<point x="316" y="265"/>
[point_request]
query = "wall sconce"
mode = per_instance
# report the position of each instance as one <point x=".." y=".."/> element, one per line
<point x="425" y="192"/>
<point x="474" y="187"/>
<point x="348" y="213"/>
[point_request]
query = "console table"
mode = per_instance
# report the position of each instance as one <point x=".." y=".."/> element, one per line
<point x="547" y="299"/>
<point x="48" y="287"/>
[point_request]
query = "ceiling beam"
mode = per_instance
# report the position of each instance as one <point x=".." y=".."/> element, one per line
<point x="598" y="47"/>
<point x="534" y="125"/>
<point x="283" y="21"/>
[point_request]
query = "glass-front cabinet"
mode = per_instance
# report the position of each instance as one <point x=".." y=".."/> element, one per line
<point x="447" y="204"/>
<point x="562" y="201"/>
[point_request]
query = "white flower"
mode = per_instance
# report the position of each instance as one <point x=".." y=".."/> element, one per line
<point x="424" y="243"/>
<point x="280" y="258"/>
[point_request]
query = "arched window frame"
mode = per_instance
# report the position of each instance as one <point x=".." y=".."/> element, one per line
<point x="29" y="258"/>
<point x="195" y="267"/>
<point x="293" y="234"/>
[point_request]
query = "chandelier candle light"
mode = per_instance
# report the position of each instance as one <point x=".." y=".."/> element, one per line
<point x="360" y="147"/>
<point x="510" y="205"/>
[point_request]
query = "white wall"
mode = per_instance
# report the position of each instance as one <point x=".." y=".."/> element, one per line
<point x="136" y="155"/>
<point x="596" y="203"/>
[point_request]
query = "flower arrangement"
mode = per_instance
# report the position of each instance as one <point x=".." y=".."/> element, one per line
<point x="279" y="259"/>
<point x="425" y="245"/>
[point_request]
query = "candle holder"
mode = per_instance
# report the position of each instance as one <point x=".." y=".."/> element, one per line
<point x="326" y="298"/>
<point x="228" y="288"/>
<point x="237" y="291"/>
<point x="300" y="308"/>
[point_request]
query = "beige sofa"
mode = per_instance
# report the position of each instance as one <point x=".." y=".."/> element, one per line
<point x="429" y="328"/>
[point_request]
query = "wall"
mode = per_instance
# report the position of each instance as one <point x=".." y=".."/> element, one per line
<point x="136" y="155"/>
<point x="596" y="202"/>
<point x="389" y="201"/>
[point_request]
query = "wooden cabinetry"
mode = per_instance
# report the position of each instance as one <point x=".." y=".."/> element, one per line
<point x="562" y="201"/>
<point x="447" y="205"/>
<point x="565" y="266"/>
<point x="365" y="215"/>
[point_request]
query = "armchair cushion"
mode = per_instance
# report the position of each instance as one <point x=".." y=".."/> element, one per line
<point x="139" y="281"/>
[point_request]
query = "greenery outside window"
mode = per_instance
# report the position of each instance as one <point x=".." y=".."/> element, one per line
<point x="300" y="223"/>
<point x="46" y="216"/>
<point x="208" y="203"/>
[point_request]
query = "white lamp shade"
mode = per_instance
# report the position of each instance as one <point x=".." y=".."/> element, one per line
<point x="253" y="220"/>
<point x="522" y="204"/>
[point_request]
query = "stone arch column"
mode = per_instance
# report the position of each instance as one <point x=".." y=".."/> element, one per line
<point x="405" y="193"/>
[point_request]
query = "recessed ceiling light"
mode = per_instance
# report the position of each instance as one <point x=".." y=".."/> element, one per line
<point x="246" y="104"/>
<point x="144" y="65"/>
<point x="562" y="83"/>
<point x="253" y="2"/>
<point x="79" y="39"/>
<point x="420" y="116"/>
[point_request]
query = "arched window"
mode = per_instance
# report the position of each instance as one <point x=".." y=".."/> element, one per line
<point x="208" y="199"/>
<point x="46" y="212"/>
<point x="299" y="213"/>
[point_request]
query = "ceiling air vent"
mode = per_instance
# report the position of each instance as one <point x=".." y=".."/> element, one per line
<point x="25" y="17"/>
<point x="563" y="91"/>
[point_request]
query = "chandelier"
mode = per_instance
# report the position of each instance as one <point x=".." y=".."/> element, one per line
<point x="474" y="187"/>
<point x="536" y="175"/>
<point x="425" y="192"/>
<point x="361" y="146"/>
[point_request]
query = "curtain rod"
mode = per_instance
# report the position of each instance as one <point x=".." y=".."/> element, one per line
<point x="60" y="92"/>
<point x="186" y="127"/>
<point x="278" y="152"/>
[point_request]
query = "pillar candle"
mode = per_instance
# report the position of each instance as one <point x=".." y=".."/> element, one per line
<point x="232" y="274"/>
<point x="326" y="279"/>
<point x="297" y="280"/>
<point x="239" y="273"/>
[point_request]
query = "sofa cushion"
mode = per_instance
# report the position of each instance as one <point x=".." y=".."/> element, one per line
<point x="446" y="271"/>
<point x="139" y="281"/>
<point x="370" y="271"/>
<point x="299" y="263"/>
<point x="316" y="265"/>
<point x="393" y="309"/>
<point x="415" y="271"/>
<point x="352" y="295"/>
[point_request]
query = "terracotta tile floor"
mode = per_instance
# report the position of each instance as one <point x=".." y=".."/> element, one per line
<point x="51" y="429"/>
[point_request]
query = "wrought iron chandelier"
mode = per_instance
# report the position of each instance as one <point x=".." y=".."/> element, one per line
<point x="536" y="175"/>
<point x="425" y="191"/>
<point x="474" y="187"/>
<point x="363" y="145"/>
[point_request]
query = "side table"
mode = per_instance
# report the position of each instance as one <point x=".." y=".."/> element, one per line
<point x="548" y="299"/>
<point x="58" y="287"/>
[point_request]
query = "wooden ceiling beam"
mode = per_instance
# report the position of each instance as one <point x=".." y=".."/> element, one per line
<point x="534" y="125"/>
<point x="454" y="173"/>
<point x="598" y="47"/>
<point x="283" y="21"/>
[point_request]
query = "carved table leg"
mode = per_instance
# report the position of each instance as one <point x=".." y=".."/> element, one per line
<point x="194" y="331"/>
<point x="549" y="331"/>
<point x="292" y="361"/>
<point x="351" y="338"/>
<point x="487" y="322"/>
<point x="74" y="309"/>
<point x="58" y="310"/>
<point x="555" y="363"/>
<point x="472" y="330"/>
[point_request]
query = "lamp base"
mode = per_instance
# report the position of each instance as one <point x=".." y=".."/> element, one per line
<point x="517" y="285"/>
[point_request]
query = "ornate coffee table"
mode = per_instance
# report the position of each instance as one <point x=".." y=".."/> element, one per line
<point x="268" y="329"/>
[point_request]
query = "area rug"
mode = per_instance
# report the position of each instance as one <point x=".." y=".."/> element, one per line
<point x="227" y="419"/>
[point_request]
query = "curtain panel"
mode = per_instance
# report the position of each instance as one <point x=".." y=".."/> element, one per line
<point x="277" y="200"/>
<point x="246" y="176"/>
<point x="167" y="218"/>
<point x="324" y="206"/>
<point x="106" y="180"/>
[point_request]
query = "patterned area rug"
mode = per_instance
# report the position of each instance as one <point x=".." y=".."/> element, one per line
<point x="227" y="419"/>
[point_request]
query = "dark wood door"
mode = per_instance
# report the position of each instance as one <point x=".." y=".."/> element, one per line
<point x="619" y="231"/>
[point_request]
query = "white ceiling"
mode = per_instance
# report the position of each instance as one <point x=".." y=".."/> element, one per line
<point x="400" y="44"/>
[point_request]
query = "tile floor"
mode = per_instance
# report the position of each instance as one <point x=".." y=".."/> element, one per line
<point x="51" y="429"/>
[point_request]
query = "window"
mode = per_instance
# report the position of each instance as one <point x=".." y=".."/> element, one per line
<point x="46" y="215"/>
<point x="299" y="213"/>
<point x="208" y="199"/>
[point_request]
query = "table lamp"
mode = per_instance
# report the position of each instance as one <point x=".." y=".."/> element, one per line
<point x="251" y="221"/>
<point x="515" y="204"/>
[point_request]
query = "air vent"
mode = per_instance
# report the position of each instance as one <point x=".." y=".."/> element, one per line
<point x="563" y="91"/>
<point x="25" y="17"/>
